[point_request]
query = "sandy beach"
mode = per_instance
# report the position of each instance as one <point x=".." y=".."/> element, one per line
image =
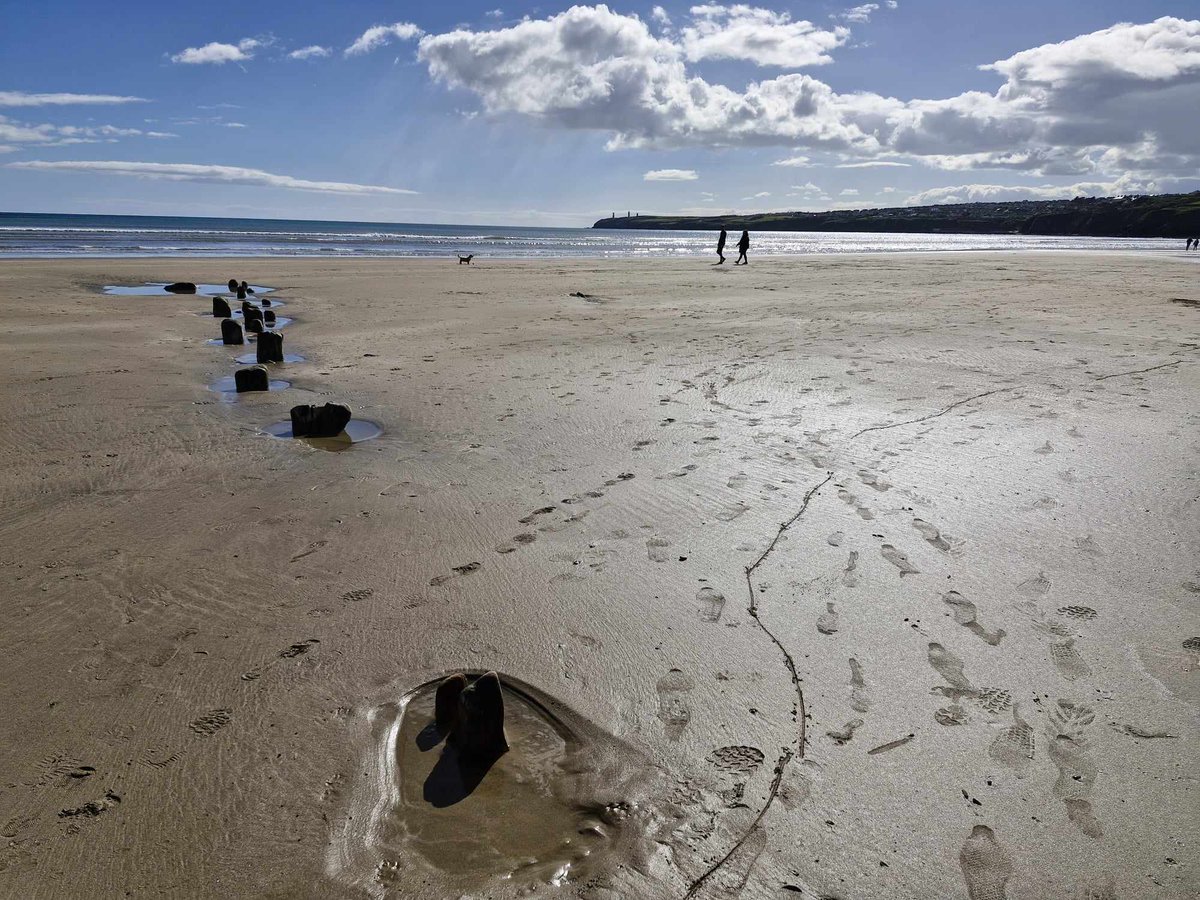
<point x="863" y="577"/>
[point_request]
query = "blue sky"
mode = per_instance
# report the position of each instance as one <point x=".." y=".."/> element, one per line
<point x="557" y="115"/>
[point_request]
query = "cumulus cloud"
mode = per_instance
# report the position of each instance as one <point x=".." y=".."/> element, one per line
<point x="379" y="35"/>
<point x="314" y="51"/>
<point x="205" y="174"/>
<point x="22" y="98"/>
<point x="796" y="162"/>
<point x="671" y="175"/>
<point x="874" y="164"/>
<point x="760" y="36"/>
<point x="216" y="53"/>
<point x="1088" y="105"/>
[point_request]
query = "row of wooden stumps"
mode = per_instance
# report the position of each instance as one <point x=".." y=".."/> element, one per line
<point x="308" y="420"/>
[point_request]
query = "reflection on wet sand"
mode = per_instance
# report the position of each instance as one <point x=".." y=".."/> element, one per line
<point x="456" y="812"/>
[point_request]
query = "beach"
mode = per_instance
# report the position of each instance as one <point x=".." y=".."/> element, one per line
<point x="857" y="577"/>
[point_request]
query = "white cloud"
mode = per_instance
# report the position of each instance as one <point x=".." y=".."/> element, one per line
<point x="495" y="13"/>
<point x="888" y="190"/>
<point x="796" y="162"/>
<point x="849" y="192"/>
<point x="760" y="36"/>
<point x="314" y="51"/>
<point x="807" y="188"/>
<point x="671" y="175"/>
<point x="659" y="15"/>
<point x="858" y="13"/>
<point x="21" y="98"/>
<point x="46" y="135"/>
<point x="1095" y="104"/>
<point x="217" y="53"/>
<point x="874" y="164"/>
<point x="996" y="193"/>
<point x="378" y="35"/>
<point x="206" y="174"/>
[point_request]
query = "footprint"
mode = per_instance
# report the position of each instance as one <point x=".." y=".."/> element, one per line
<point x="931" y="534"/>
<point x="846" y="497"/>
<point x="537" y="512"/>
<point x="1068" y="750"/>
<point x="899" y="560"/>
<point x="1067" y="660"/>
<point x="1037" y="586"/>
<point x="1013" y="747"/>
<point x="1078" y="612"/>
<point x="965" y="614"/>
<point x="673" y="707"/>
<point x="951" y="715"/>
<point x="656" y="549"/>
<point x="860" y="695"/>
<point x="92" y="808"/>
<point x="950" y="667"/>
<point x="870" y="479"/>
<point x="736" y="766"/>
<point x="358" y="595"/>
<point x="298" y="649"/>
<point x="993" y="700"/>
<point x="850" y="573"/>
<point x="211" y="722"/>
<point x="456" y="572"/>
<point x="827" y="622"/>
<point x="847" y="732"/>
<point x="986" y="867"/>
<point x="1080" y="813"/>
<point x="835" y="539"/>
<point x="709" y="604"/>
<point x="731" y="511"/>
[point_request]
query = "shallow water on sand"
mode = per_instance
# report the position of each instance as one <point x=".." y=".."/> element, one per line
<point x="560" y="806"/>
<point x="356" y="431"/>
<point x="155" y="289"/>
<point x="251" y="359"/>
<point x="227" y="385"/>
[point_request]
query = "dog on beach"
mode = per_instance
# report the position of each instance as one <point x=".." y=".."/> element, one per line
<point x="465" y="259"/>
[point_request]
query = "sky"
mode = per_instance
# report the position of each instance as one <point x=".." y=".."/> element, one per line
<point x="552" y="114"/>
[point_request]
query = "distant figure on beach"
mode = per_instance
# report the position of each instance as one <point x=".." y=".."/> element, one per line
<point x="721" y="246"/>
<point x="743" y="246"/>
<point x="1189" y="244"/>
<point x="465" y="260"/>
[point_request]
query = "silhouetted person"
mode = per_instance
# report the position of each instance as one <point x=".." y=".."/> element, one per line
<point x="721" y="246"/>
<point x="1189" y="244"/>
<point x="743" y="246"/>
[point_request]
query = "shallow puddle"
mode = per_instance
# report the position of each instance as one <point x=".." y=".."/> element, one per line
<point x="155" y="289"/>
<point x="561" y="806"/>
<point x="356" y="431"/>
<point x="227" y="385"/>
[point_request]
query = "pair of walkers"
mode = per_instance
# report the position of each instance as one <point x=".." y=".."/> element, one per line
<point x="743" y="246"/>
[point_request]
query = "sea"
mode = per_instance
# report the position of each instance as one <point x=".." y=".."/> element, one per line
<point x="44" y="235"/>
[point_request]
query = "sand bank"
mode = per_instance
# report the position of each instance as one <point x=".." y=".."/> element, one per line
<point x="963" y="663"/>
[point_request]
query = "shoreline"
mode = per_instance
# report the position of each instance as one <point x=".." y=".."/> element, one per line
<point x="202" y="612"/>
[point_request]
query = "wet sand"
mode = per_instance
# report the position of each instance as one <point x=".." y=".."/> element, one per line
<point x="871" y="577"/>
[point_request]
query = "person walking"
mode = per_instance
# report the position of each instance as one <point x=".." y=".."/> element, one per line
<point x="743" y="246"/>
<point x="721" y="246"/>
